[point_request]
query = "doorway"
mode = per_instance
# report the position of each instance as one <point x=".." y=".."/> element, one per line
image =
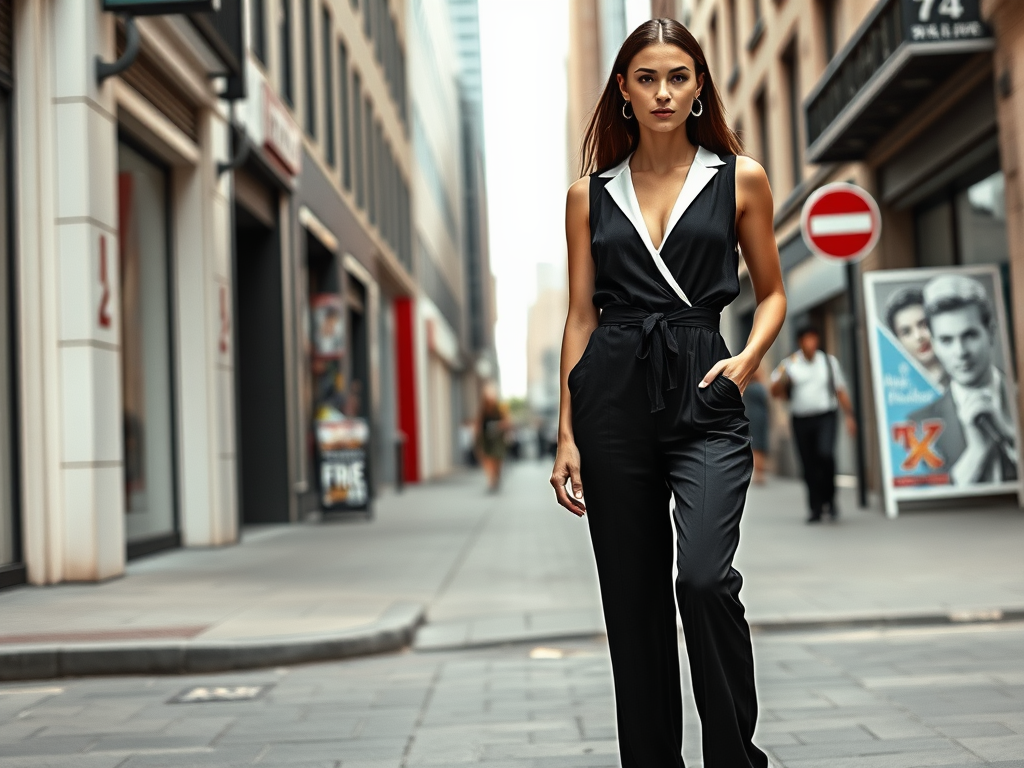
<point x="146" y="370"/>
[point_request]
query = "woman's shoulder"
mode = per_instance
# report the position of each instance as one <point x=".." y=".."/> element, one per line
<point x="580" y="188"/>
<point x="749" y="171"/>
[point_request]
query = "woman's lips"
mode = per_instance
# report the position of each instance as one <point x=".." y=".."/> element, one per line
<point x="663" y="112"/>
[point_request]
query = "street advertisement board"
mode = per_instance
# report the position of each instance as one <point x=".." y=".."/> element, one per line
<point x="945" y="396"/>
<point x="343" y="443"/>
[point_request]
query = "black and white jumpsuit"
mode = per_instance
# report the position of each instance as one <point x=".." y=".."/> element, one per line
<point x="645" y="431"/>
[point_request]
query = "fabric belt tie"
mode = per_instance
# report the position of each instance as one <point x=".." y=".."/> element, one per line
<point x="658" y="344"/>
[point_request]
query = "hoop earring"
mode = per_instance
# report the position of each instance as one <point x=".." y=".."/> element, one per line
<point x="630" y="115"/>
<point x="697" y="114"/>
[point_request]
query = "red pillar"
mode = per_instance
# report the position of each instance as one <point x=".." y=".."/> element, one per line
<point x="405" y="367"/>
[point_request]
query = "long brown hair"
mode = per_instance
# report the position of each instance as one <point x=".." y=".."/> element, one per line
<point x="610" y="138"/>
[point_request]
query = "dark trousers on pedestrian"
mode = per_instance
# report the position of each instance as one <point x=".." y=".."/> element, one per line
<point x="633" y="461"/>
<point x="815" y="438"/>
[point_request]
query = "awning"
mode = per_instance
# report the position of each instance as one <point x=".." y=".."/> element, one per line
<point x="895" y="60"/>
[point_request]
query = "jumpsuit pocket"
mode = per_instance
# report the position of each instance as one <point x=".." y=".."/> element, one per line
<point x="720" y="402"/>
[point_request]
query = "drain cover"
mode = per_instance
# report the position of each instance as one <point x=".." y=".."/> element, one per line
<point x="205" y="693"/>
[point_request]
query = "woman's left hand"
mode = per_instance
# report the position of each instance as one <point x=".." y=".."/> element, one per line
<point x="739" y="370"/>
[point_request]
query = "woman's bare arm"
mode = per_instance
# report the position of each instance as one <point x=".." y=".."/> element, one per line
<point x="756" y="235"/>
<point x="580" y="322"/>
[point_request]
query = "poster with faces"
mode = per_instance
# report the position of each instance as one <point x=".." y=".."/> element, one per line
<point x="943" y="379"/>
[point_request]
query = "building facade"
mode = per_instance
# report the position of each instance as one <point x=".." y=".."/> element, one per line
<point x="323" y="255"/>
<point x="918" y="103"/>
<point x="118" y="386"/>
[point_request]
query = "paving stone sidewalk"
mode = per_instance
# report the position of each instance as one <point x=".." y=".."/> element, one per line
<point x="946" y="697"/>
<point x="515" y="567"/>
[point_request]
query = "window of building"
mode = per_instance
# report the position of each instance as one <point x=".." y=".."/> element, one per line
<point x="966" y="223"/>
<point x="761" y="113"/>
<point x="713" y="45"/>
<point x="791" y="73"/>
<point x="284" y="33"/>
<point x="358" y="148"/>
<point x="368" y="153"/>
<point x="327" y="47"/>
<point x="258" y="29"/>
<point x="734" y="45"/>
<point x="828" y="27"/>
<point x="343" y="116"/>
<point x="757" y="31"/>
<point x="309" y="58"/>
<point x="368" y="18"/>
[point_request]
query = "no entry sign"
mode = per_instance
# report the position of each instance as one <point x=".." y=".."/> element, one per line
<point x="841" y="221"/>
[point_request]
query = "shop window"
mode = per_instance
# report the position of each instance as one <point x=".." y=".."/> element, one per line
<point x="146" y="348"/>
<point x="981" y="221"/>
<point x="965" y="224"/>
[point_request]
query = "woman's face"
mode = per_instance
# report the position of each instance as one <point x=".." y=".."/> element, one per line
<point x="912" y="331"/>
<point x="661" y="83"/>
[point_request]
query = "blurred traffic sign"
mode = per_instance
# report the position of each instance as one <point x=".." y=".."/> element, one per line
<point x="841" y="222"/>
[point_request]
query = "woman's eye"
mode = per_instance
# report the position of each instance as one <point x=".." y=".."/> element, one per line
<point x="678" y="78"/>
<point x="645" y="78"/>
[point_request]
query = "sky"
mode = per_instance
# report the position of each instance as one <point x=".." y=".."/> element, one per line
<point x="524" y="48"/>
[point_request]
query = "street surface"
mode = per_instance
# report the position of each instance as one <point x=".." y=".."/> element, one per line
<point x="950" y="697"/>
<point x="511" y="669"/>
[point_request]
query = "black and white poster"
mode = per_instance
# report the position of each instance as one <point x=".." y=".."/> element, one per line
<point x="944" y="391"/>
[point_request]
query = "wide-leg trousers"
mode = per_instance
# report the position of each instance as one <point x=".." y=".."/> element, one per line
<point x="633" y="460"/>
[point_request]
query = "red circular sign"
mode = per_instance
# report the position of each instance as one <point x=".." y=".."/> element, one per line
<point x="841" y="221"/>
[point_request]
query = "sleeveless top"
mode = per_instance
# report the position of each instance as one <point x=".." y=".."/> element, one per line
<point x="699" y="253"/>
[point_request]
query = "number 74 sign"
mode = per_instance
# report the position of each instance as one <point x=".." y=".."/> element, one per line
<point x="951" y="9"/>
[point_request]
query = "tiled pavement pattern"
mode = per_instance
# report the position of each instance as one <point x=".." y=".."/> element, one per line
<point x="942" y="697"/>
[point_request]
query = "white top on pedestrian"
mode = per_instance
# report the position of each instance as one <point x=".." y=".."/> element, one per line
<point x="812" y="393"/>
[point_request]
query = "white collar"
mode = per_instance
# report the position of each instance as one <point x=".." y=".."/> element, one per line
<point x="705" y="157"/>
<point x="703" y="168"/>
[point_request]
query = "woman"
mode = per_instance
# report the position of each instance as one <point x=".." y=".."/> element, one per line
<point x="491" y="426"/>
<point x="904" y="314"/>
<point x="650" y="396"/>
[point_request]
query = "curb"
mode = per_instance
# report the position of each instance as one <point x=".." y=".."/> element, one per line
<point x="393" y="631"/>
<point x="952" y="618"/>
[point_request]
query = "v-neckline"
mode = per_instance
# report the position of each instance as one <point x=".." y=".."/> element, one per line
<point x="673" y="218"/>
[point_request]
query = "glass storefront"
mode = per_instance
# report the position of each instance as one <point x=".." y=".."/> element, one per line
<point x="146" y="349"/>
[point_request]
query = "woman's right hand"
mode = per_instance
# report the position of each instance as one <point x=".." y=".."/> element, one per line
<point x="567" y="469"/>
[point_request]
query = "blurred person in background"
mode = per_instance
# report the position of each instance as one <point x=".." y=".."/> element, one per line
<point x="651" y="398"/>
<point x="813" y="383"/>
<point x="905" y="316"/>
<point x="755" y="403"/>
<point x="492" y="425"/>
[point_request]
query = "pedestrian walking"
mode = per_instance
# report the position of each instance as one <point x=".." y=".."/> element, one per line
<point x="651" y="398"/>
<point x="755" y="403"/>
<point x="492" y="425"/>
<point x="813" y="383"/>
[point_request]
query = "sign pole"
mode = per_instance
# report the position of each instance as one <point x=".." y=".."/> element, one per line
<point x="855" y="394"/>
